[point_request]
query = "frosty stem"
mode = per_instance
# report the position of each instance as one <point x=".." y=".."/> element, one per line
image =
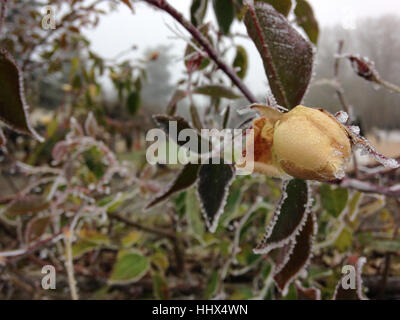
<point x="388" y="85"/>
<point x="212" y="53"/>
<point x="368" y="187"/>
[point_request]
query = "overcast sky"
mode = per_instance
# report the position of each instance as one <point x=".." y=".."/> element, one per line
<point x="148" y="28"/>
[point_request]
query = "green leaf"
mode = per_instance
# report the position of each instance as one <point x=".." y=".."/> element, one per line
<point x="214" y="182"/>
<point x="28" y="204"/>
<point x="129" y="267"/>
<point x="216" y="91"/>
<point x="89" y="240"/>
<point x="184" y="180"/>
<point x="232" y="205"/>
<point x="94" y="236"/>
<point x="225" y="13"/>
<point x="305" y="18"/>
<point x="333" y="200"/>
<point x="290" y="214"/>
<point x="282" y="6"/>
<point x="198" y="11"/>
<point x="241" y="61"/>
<point x="287" y="56"/>
<point x="193" y="215"/>
<point x="133" y="102"/>
<point x="299" y="255"/>
<point x="13" y="107"/>
<point x="130" y="239"/>
<point x="81" y="247"/>
<point x="212" y="285"/>
<point x="160" y="287"/>
<point x="344" y="240"/>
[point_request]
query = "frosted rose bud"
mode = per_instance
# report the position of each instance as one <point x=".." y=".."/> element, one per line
<point x="311" y="144"/>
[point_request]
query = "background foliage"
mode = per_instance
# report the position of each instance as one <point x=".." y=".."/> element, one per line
<point x="77" y="200"/>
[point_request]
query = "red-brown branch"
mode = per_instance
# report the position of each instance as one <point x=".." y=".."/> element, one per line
<point x="212" y="53"/>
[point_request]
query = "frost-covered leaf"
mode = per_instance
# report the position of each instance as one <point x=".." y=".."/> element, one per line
<point x="287" y="56"/>
<point x="27" y="204"/>
<point x="289" y="216"/>
<point x="282" y="6"/>
<point x="216" y="91"/>
<point x="333" y="200"/>
<point x="193" y="215"/>
<point x="184" y="180"/>
<point x="35" y="228"/>
<point x="81" y="247"/>
<point x="131" y="239"/>
<point x="299" y="255"/>
<point x="160" y="260"/>
<point x="89" y="240"/>
<point x="198" y="11"/>
<point x="225" y="13"/>
<point x="13" y="107"/>
<point x="305" y="18"/>
<point x="240" y="63"/>
<point x="129" y="267"/>
<point x="303" y="293"/>
<point x="351" y="293"/>
<point x="213" y="185"/>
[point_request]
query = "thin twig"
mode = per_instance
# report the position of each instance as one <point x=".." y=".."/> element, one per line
<point x="30" y="250"/>
<point x="367" y="187"/>
<point x="342" y="99"/>
<point x="212" y="53"/>
<point x="157" y="231"/>
<point x="236" y="245"/>
<point x="69" y="265"/>
<point x="388" y="85"/>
